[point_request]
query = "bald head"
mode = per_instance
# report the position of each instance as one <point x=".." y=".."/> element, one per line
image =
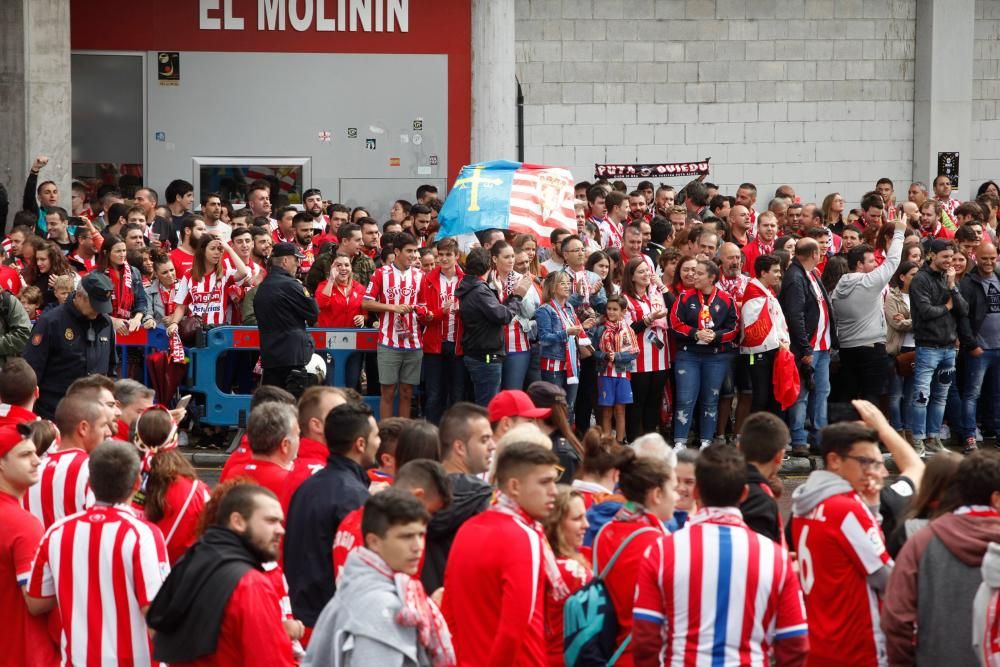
<point x="730" y="259"/>
<point x="739" y="217"/>
<point x="986" y="259"/>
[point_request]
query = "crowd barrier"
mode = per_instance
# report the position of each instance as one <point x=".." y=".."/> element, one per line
<point x="222" y="408"/>
<point x="147" y="340"/>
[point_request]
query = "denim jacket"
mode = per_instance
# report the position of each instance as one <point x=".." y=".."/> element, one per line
<point x="552" y="331"/>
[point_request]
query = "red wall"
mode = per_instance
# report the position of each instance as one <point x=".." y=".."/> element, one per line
<point x="435" y="26"/>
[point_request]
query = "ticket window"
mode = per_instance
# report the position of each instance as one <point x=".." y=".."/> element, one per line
<point x="232" y="178"/>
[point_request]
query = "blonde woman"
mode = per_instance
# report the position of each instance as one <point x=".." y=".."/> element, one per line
<point x="565" y="527"/>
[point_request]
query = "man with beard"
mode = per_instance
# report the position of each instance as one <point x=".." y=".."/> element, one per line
<point x="302" y="225"/>
<point x="211" y="210"/>
<point x="218" y="607"/>
<point x="313" y="204"/>
<point x="262" y="244"/>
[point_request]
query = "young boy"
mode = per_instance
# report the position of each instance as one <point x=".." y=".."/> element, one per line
<point x="615" y="361"/>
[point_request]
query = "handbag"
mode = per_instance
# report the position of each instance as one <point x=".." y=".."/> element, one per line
<point x="905" y="362"/>
<point x="189" y="329"/>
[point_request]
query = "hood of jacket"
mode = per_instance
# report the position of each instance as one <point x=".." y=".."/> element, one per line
<point x="820" y="485"/>
<point x="468" y="285"/>
<point x="470" y="496"/>
<point x="967" y="537"/>
<point x="991" y="565"/>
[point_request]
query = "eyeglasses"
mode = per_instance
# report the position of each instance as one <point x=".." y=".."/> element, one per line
<point x="865" y="462"/>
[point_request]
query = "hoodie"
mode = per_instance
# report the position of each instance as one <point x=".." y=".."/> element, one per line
<point x="985" y="632"/>
<point x="482" y="316"/>
<point x="857" y="301"/>
<point x="358" y="625"/>
<point x="470" y="496"/>
<point x="940" y="566"/>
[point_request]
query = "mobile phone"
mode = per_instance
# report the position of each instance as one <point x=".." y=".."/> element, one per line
<point x="183" y="403"/>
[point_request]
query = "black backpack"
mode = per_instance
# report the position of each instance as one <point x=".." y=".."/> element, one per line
<point x="590" y="625"/>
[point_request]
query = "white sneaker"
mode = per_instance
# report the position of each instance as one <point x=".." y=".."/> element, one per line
<point x="679" y="446"/>
<point x="704" y="444"/>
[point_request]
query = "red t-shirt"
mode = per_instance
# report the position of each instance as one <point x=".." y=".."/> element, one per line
<point x="499" y="619"/>
<point x="311" y="459"/>
<point x="240" y="455"/>
<point x="27" y="638"/>
<point x="338" y="311"/>
<point x="182" y="505"/>
<point x="252" y="634"/>
<point x="12" y="415"/>
<point x="267" y="474"/>
<point x="182" y="261"/>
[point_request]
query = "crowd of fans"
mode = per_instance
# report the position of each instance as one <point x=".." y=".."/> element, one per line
<point x="593" y="476"/>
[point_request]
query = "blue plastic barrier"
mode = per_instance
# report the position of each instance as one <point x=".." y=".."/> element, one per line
<point x="146" y="339"/>
<point x="225" y="409"/>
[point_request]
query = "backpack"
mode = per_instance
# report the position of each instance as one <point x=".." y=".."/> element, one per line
<point x="590" y="625"/>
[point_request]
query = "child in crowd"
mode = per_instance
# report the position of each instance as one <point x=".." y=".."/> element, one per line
<point x="615" y="362"/>
<point x="31" y="299"/>
<point x="63" y="287"/>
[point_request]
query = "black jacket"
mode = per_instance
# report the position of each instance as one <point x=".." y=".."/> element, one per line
<point x="470" y="496"/>
<point x="314" y="513"/>
<point x="801" y="309"/>
<point x="65" y="346"/>
<point x="933" y="324"/>
<point x="284" y="309"/>
<point x="974" y="294"/>
<point x="483" y="315"/>
<point x="760" y="509"/>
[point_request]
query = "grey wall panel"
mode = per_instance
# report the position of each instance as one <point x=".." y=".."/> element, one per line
<point x="107" y="107"/>
<point x="277" y="104"/>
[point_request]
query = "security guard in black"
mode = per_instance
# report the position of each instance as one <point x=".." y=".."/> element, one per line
<point x="284" y="309"/>
<point x="72" y="341"/>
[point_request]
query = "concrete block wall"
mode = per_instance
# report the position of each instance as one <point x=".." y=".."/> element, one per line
<point x="985" y="163"/>
<point x="815" y="93"/>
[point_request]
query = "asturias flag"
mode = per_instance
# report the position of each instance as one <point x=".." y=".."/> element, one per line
<point x="525" y="198"/>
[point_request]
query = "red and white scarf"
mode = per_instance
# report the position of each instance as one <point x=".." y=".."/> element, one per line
<point x="765" y="247"/>
<point x="418" y="611"/>
<point x="568" y="319"/>
<point x="123" y="296"/>
<point x="509" y="506"/>
<point x="618" y="337"/>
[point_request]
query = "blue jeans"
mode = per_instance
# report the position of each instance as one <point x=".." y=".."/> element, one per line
<point x="818" y="397"/>
<point x="485" y="378"/>
<point x="558" y="378"/>
<point x="932" y="376"/>
<point x="975" y="372"/>
<point x="444" y="381"/>
<point x="515" y="369"/>
<point x="699" y="379"/>
<point x="900" y="398"/>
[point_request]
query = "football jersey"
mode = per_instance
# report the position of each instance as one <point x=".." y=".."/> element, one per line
<point x="267" y="474"/>
<point x="103" y="566"/>
<point x="347" y="538"/>
<point x="62" y="488"/>
<point x="839" y="544"/>
<point x="182" y="261"/>
<point x="207" y="298"/>
<point x="722" y="593"/>
<point x="390" y="285"/>
<point x="652" y="342"/>
<point x="515" y="338"/>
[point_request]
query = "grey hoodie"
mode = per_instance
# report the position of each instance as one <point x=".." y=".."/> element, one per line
<point x="819" y="486"/>
<point x="358" y="628"/>
<point x="991" y="582"/>
<point x="857" y="300"/>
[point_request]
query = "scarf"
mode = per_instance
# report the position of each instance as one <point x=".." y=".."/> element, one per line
<point x="418" y="611"/>
<point x="726" y="516"/>
<point x="976" y="510"/>
<point x="617" y="337"/>
<point x="509" y="506"/>
<point x="705" y="314"/>
<point x="734" y="286"/>
<point x="568" y="320"/>
<point x="175" y="346"/>
<point x="765" y="247"/>
<point x="122" y="295"/>
<point x="631" y="511"/>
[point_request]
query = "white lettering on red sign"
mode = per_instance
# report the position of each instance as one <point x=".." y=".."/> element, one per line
<point x="305" y="15"/>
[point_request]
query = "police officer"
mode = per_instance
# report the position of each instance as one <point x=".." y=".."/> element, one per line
<point x="284" y="309"/>
<point x="73" y="340"/>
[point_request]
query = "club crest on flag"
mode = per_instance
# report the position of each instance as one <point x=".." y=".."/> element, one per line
<point x="524" y="198"/>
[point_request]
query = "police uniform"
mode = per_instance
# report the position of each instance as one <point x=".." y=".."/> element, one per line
<point x="66" y="345"/>
<point x="284" y="309"/>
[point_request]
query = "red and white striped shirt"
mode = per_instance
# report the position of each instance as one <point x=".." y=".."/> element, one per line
<point x="651" y="356"/>
<point x="721" y="593"/>
<point x="207" y="298"/>
<point x="390" y="285"/>
<point x="611" y="233"/>
<point x="62" y="488"/>
<point x="821" y="337"/>
<point x="103" y="566"/>
<point x="514" y="336"/>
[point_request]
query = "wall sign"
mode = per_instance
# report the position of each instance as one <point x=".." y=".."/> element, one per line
<point x="309" y="15"/>
<point x="948" y="166"/>
<point x="370" y="144"/>
<point x="168" y="68"/>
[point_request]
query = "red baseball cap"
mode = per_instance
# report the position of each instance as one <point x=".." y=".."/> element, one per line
<point x="10" y="437"/>
<point x="514" y="403"/>
<point x="10" y="280"/>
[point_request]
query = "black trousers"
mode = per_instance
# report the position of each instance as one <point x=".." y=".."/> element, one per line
<point x="586" y="396"/>
<point x="279" y="377"/>
<point x="761" y="375"/>
<point x="643" y="416"/>
<point x="864" y="371"/>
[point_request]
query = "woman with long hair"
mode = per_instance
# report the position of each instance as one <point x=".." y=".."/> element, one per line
<point x="670" y="258"/>
<point x="171" y="495"/>
<point x="648" y="321"/>
<point x="503" y="279"/>
<point x="49" y="264"/>
<point x="650" y="489"/>
<point x="565" y="527"/>
<point x="834" y="270"/>
<point x="705" y="322"/>
<point x="527" y="243"/>
<point x="899" y="340"/>
<point x="128" y="298"/>
<point x="935" y="496"/>
<point x="204" y="290"/>
<point x="833" y="212"/>
<point x="418" y="440"/>
<point x="560" y="336"/>
<point x="600" y="263"/>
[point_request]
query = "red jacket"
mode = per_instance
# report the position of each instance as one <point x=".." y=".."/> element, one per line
<point x="430" y="294"/>
<point x="494" y="598"/>
<point x="336" y="311"/>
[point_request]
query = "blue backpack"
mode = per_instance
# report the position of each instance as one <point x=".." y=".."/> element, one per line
<point x="590" y="626"/>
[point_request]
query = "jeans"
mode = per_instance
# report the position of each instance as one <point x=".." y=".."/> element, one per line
<point x="932" y="376"/>
<point x="900" y="397"/>
<point x="485" y="378"/>
<point x="558" y="378"/>
<point x="975" y="372"/>
<point x="863" y="370"/>
<point x="699" y="380"/>
<point x="819" y="396"/>
<point x="515" y="369"/>
<point x="444" y="381"/>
